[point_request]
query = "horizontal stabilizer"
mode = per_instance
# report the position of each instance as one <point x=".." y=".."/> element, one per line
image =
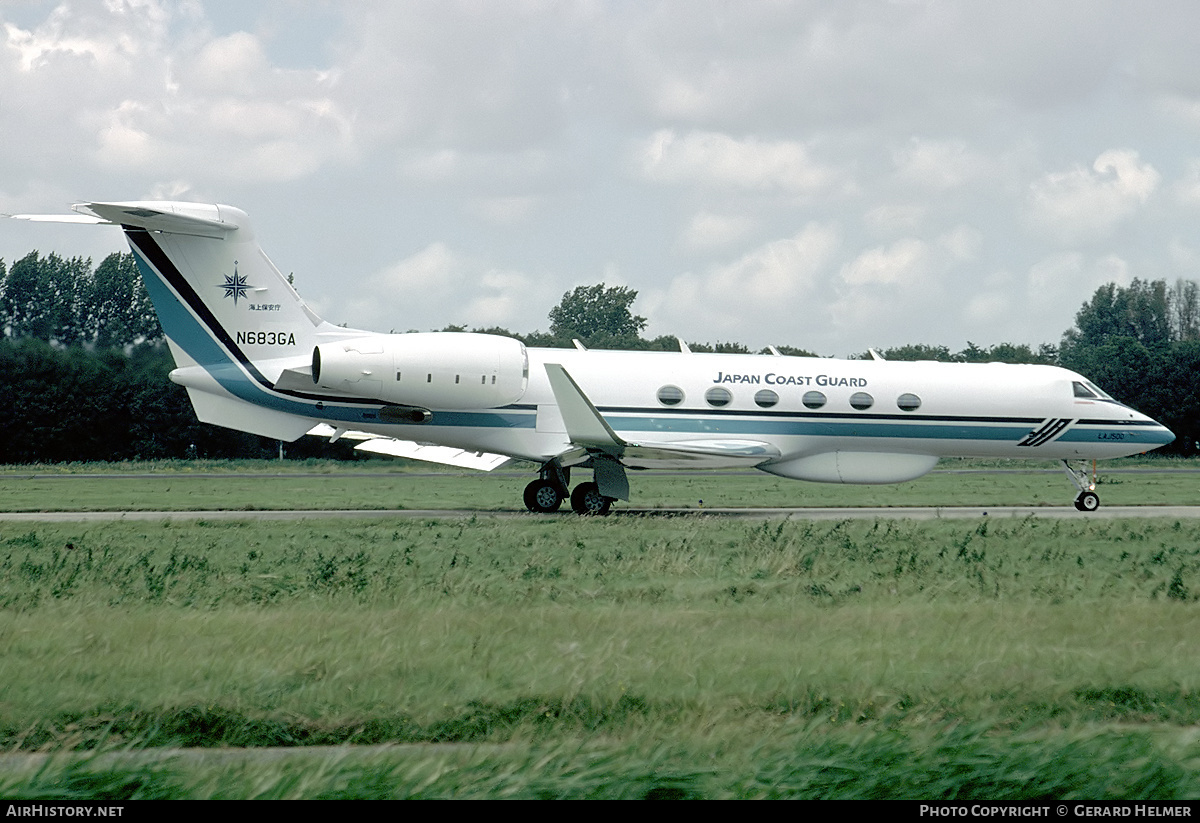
<point x="85" y="219"/>
<point x="196" y="219"/>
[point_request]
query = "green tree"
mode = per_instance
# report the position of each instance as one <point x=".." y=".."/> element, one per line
<point x="790" y="351"/>
<point x="1184" y="301"/>
<point x="915" y="351"/>
<point x="28" y="299"/>
<point x="117" y="308"/>
<point x="597" y="315"/>
<point x="1139" y="311"/>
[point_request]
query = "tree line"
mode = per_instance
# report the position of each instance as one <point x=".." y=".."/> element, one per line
<point x="84" y="365"/>
<point x="83" y="371"/>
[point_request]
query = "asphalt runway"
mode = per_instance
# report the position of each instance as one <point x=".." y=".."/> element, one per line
<point x="858" y="513"/>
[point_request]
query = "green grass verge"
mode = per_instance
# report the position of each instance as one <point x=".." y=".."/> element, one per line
<point x="391" y="485"/>
<point x="631" y="657"/>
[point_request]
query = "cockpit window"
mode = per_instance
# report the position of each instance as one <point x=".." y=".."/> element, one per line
<point x="1089" y="390"/>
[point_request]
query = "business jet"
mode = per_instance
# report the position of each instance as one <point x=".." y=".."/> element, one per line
<point x="254" y="357"/>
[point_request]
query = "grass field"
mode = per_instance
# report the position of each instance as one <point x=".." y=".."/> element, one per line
<point x="402" y="485"/>
<point x="689" y="656"/>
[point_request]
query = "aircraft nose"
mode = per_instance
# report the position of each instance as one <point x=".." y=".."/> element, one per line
<point x="1168" y="434"/>
<point x="1160" y="435"/>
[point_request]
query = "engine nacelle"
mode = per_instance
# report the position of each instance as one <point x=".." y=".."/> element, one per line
<point x="436" y="370"/>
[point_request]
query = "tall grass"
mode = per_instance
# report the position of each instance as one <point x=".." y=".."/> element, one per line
<point x="569" y="657"/>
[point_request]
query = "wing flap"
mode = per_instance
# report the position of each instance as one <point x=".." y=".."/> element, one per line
<point x="695" y="454"/>
<point x="445" y="455"/>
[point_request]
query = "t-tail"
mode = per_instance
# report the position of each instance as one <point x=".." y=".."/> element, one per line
<point x="238" y="331"/>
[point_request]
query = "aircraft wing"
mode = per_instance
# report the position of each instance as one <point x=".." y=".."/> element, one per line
<point x="446" y="455"/>
<point x="589" y="431"/>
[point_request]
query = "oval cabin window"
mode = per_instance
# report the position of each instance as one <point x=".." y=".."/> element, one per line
<point x="813" y="400"/>
<point x="718" y="396"/>
<point x="908" y="402"/>
<point x="670" y="395"/>
<point x="766" y="398"/>
<point x="861" y="400"/>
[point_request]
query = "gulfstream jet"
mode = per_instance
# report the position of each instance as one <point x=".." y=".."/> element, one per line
<point x="254" y="357"/>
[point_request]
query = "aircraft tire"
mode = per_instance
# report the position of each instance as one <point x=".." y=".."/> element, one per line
<point x="542" y="497"/>
<point x="586" y="499"/>
<point x="1087" y="501"/>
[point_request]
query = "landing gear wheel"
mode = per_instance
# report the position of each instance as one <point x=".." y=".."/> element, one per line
<point x="586" y="499"/>
<point x="542" y="497"/>
<point x="1087" y="501"/>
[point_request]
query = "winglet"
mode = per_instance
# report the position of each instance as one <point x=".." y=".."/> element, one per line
<point x="584" y="424"/>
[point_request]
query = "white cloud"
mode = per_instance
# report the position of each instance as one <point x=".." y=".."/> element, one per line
<point x="1187" y="190"/>
<point x="721" y="161"/>
<point x="234" y="64"/>
<point x="1083" y="204"/>
<point x="904" y="261"/>
<point x="436" y="287"/>
<point x="708" y="232"/>
<point x="988" y="308"/>
<point x="1072" y="273"/>
<point x="767" y="287"/>
<point x="503" y="211"/>
<point x="939" y="164"/>
<point x="892" y="218"/>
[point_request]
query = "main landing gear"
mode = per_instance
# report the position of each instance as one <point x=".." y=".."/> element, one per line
<point x="1087" y="500"/>
<point x="546" y="494"/>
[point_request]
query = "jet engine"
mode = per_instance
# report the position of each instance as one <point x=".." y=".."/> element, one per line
<point x="436" y="370"/>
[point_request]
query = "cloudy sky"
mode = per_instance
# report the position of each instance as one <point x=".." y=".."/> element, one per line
<point x="831" y="174"/>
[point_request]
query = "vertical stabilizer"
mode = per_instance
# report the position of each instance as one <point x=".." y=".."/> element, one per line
<point x="232" y="320"/>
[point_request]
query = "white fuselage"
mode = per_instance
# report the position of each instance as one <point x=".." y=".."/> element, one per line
<point x="948" y="409"/>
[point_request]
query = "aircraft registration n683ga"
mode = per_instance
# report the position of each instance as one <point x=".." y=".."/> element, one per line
<point x="254" y="357"/>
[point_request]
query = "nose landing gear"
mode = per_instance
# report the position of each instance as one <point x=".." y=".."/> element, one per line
<point x="1087" y="500"/>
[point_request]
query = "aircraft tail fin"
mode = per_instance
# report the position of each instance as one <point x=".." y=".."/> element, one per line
<point x="233" y="321"/>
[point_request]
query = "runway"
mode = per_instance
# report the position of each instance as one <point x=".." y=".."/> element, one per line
<point x="856" y="513"/>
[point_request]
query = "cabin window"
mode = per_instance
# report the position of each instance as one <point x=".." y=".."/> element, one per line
<point x="908" y="402"/>
<point x="718" y="396"/>
<point x="813" y="400"/>
<point x="429" y="378"/>
<point x="861" y="400"/>
<point x="670" y="395"/>
<point x="766" y="398"/>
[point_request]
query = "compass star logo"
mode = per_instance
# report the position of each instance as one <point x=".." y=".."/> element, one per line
<point x="234" y="285"/>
